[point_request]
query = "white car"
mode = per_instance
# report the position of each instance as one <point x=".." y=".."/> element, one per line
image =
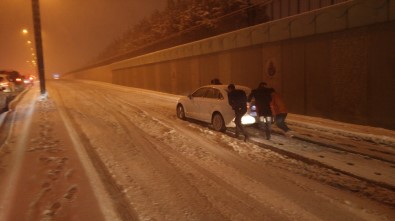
<point x="3" y="101"/>
<point x="5" y="84"/>
<point x="210" y="104"/>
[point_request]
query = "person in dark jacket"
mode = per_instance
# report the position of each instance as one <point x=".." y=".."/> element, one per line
<point x="238" y="101"/>
<point x="262" y="96"/>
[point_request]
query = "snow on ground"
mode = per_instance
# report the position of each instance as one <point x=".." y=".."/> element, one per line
<point x="168" y="169"/>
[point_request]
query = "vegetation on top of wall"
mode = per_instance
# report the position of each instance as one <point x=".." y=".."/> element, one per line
<point x="202" y="17"/>
<point x="184" y="21"/>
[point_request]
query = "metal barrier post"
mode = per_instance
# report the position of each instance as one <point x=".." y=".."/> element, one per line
<point x="39" y="47"/>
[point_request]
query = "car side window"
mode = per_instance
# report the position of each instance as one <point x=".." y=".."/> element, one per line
<point x="213" y="93"/>
<point x="220" y="96"/>
<point x="200" y="92"/>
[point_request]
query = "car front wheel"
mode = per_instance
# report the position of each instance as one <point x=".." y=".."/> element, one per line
<point x="181" y="112"/>
<point x="218" y="122"/>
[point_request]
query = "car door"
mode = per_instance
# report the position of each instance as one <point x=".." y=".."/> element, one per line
<point x="195" y="101"/>
<point x="210" y="104"/>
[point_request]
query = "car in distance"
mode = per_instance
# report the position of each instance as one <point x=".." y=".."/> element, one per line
<point x="210" y="104"/>
<point x="4" y="93"/>
<point x="3" y="101"/>
<point x="5" y="84"/>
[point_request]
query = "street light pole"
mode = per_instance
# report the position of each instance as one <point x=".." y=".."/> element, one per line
<point x="39" y="47"/>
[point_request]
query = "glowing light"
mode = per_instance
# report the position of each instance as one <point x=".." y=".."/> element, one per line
<point x="56" y="76"/>
<point x="25" y="31"/>
<point x="246" y="119"/>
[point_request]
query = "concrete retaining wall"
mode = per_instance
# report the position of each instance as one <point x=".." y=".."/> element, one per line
<point x="337" y="62"/>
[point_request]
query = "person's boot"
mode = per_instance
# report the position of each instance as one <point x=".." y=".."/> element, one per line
<point x="246" y="137"/>
<point x="267" y="131"/>
<point x="236" y="134"/>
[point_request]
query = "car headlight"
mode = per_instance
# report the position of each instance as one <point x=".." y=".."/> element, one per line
<point x="248" y="119"/>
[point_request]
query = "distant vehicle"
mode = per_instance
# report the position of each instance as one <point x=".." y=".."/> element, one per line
<point x="28" y="80"/>
<point x="56" y="76"/>
<point x="210" y="104"/>
<point x="15" y="78"/>
<point x="5" y="94"/>
<point x="11" y="83"/>
<point x="6" y="85"/>
<point x="3" y="101"/>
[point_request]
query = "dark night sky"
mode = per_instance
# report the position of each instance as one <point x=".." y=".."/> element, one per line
<point x="74" y="32"/>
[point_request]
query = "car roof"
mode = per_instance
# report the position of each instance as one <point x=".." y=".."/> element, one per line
<point x="225" y="86"/>
<point x="4" y="76"/>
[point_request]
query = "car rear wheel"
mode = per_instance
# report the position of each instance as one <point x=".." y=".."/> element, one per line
<point x="218" y="122"/>
<point x="180" y="112"/>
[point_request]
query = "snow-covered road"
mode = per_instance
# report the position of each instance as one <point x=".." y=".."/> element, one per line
<point x="164" y="168"/>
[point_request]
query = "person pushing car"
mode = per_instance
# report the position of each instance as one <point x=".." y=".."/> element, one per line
<point x="238" y="100"/>
<point x="262" y="96"/>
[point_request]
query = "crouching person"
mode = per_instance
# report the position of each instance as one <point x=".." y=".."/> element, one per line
<point x="280" y="113"/>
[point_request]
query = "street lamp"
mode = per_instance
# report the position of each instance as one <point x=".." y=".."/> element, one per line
<point x="29" y="43"/>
